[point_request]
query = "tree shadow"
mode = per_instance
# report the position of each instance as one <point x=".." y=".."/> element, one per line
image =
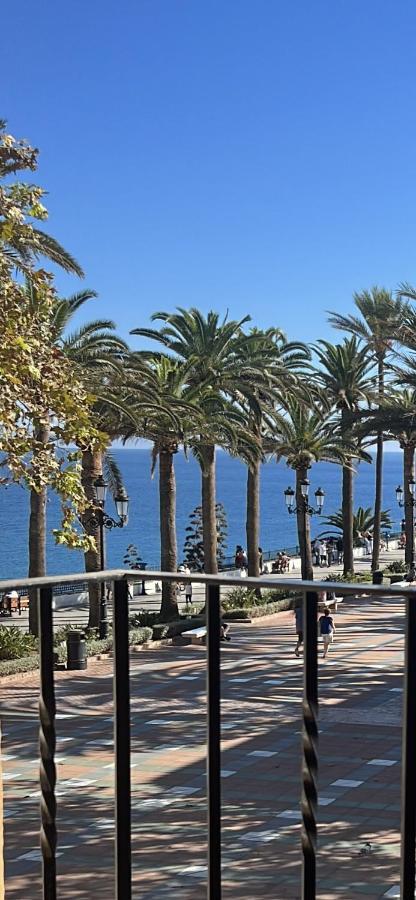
<point x="261" y="765"/>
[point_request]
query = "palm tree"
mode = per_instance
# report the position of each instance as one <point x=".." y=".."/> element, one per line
<point x="170" y="420"/>
<point x="363" y="521"/>
<point x="306" y="435"/>
<point x="397" y="418"/>
<point x="282" y="361"/>
<point x="344" y="378"/>
<point x="92" y="347"/>
<point x="379" y="325"/>
<point x="217" y="356"/>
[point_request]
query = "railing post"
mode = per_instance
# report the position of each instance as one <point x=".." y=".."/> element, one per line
<point x="310" y="742"/>
<point x="122" y="740"/>
<point x="213" y="617"/>
<point x="408" y="829"/>
<point x="47" y="744"/>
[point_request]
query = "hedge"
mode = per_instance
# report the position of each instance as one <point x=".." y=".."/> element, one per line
<point x="94" y="648"/>
<point x="255" y="612"/>
<point x="16" y="666"/>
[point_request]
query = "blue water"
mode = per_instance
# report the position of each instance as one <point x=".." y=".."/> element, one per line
<point x="278" y="529"/>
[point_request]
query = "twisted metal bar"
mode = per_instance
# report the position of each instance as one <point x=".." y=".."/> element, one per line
<point x="47" y="745"/>
<point x="310" y="746"/>
<point x="407" y="866"/>
<point x="122" y="742"/>
<point x="213" y="615"/>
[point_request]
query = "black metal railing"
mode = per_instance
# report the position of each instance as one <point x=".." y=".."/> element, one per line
<point x="121" y="681"/>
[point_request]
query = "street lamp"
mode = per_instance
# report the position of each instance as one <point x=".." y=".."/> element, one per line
<point x="407" y="503"/>
<point x="305" y="508"/>
<point x="289" y="495"/>
<point x="100" y="519"/>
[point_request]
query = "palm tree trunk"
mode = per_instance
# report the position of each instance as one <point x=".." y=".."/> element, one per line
<point x="379" y="478"/>
<point x="209" y="513"/>
<point x="304" y="528"/>
<point x="92" y="467"/>
<point x="168" y="547"/>
<point x="253" y="519"/>
<point x="408" y="474"/>
<point x="37" y="538"/>
<point x="348" y="517"/>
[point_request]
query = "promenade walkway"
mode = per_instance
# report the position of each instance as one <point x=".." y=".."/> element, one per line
<point x="78" y="616"/>
<point x="359" y="757"/>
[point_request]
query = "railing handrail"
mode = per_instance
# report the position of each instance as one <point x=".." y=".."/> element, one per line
<point x="122" y="720"/>
<point x="265" y="581"/>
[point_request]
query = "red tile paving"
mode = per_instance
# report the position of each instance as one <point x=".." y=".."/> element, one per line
<point x="360" y="724"/>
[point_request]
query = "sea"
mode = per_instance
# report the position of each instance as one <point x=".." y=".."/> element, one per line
<point x="278" y="528"/>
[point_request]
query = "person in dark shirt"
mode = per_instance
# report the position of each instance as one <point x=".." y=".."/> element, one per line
<point x="327" y="630"/>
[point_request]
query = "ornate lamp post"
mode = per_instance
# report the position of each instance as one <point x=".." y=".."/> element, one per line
<point x="100" y="519"/>
<point x="305" y="509"/>
<point x="308" y="510"/>
<point x="408" y="504"/>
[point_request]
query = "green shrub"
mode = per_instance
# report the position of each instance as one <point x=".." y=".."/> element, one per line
<point x="140" y="636"/>
<point x="239" y="598"/>
<point x="27" y="663"/>
<point x="397" y="567"/>
<point x="143" y="618"/>
<point x="254" y="612"/>
<point x="15" y="643"/>
<point x="275" y="596"/>
<point x="17" y="666"/>
<point x="349" y="578"/>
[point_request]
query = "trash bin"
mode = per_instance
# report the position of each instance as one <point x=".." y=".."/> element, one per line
<point x="378" y="577"/>
<point x="76" y="650"/>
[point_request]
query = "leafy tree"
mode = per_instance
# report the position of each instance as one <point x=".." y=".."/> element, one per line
<point x="94" y="349"/>
<point x="379" y="325"/>
<point x="193" y="550"/>
<point x="39" y="386"/>
<point x="22" y="243"/>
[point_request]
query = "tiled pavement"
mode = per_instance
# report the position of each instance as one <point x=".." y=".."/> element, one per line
<point x="359" y="755"/>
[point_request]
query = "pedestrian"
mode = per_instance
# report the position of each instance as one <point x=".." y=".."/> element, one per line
<point x="298" y="611"/>
<point x="327" y="630"/>
<point x="329" y="553"/>
<point x="323" y="554"/>
<point x="260" y="552"/>
<point x="188" y="593"/>
<point x="238" y="556"/>
<point x="318" y="552"/>
<point x="340" y="549"/>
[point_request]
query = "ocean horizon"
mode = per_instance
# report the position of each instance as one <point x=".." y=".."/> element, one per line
<point x="278" y="528"/>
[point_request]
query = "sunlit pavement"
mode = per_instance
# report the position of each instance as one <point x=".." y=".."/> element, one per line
<point x="359" y="759"/>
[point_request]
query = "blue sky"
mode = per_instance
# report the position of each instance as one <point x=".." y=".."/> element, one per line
<point x="255" y="156"/>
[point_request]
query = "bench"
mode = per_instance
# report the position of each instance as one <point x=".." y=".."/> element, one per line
<point x="330" y="604"/>
<point x="196" y="635"/>
<point x="334" y="604"/>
